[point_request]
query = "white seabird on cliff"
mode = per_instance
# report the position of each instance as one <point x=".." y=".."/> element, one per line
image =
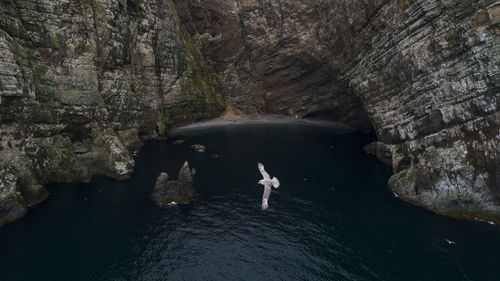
<point x="267" y="182"/>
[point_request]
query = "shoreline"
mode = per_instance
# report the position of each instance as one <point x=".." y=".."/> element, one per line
<point x="272" y="119"/>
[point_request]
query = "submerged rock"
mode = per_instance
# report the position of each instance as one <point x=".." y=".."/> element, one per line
<point x="178" y="142"/>
<point x="198" y="148"/>
<point x="180" y="191"/>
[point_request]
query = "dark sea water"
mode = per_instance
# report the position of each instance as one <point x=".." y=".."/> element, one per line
<point x="331" y="219"/>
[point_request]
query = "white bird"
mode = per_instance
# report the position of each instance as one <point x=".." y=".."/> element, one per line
<point x="267" y="182"/>
<point x="449" y="242"/>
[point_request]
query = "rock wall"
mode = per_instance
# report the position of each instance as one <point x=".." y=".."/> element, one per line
<point x="269" y="58"/>
<point x="424" y="74"/>
<point x="82" y="82"/>
<point x="428" y="75"/>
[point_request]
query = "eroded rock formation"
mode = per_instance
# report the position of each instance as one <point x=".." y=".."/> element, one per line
<point x="83" y="82"/>
<point x="180" y="191"/>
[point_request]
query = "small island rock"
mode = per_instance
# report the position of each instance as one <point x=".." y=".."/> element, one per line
<point x="180" y="191"/>
<point x="198" y="147"/>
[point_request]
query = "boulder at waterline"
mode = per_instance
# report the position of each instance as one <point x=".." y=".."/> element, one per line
<point x="199" y="148"/>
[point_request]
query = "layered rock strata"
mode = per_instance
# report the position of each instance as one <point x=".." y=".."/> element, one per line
<point x="269" y="58"/>
<point x="428" y="77"/>
<point x="82" y="83"/>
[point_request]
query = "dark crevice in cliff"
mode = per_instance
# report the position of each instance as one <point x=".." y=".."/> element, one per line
<point x="374" y="14"/>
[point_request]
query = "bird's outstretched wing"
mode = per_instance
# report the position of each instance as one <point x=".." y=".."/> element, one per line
<point x="263" y="172"/>
<point x="275" y="182"/>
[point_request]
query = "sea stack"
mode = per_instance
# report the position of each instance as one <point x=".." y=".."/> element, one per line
<point x="180" y="191"/>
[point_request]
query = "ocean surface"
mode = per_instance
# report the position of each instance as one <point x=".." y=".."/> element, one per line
<point x="332" y="218"/>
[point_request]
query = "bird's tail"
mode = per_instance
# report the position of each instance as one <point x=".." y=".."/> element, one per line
<point x="264" y="204"/>
<point x="275" y="182"/>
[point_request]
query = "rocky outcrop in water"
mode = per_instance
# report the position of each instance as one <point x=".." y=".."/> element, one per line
<point x="180" y="191"/>
<point x="82" y="83"/>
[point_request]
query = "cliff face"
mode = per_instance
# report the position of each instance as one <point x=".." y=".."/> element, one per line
<point x="269" y="58"/>
<point x="83" y="82"/>
<point x="429" y="80"/>
<point x="424" y="74"/>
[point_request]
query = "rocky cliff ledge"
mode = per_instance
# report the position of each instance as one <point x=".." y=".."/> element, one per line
<point x="83" y="82"/>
